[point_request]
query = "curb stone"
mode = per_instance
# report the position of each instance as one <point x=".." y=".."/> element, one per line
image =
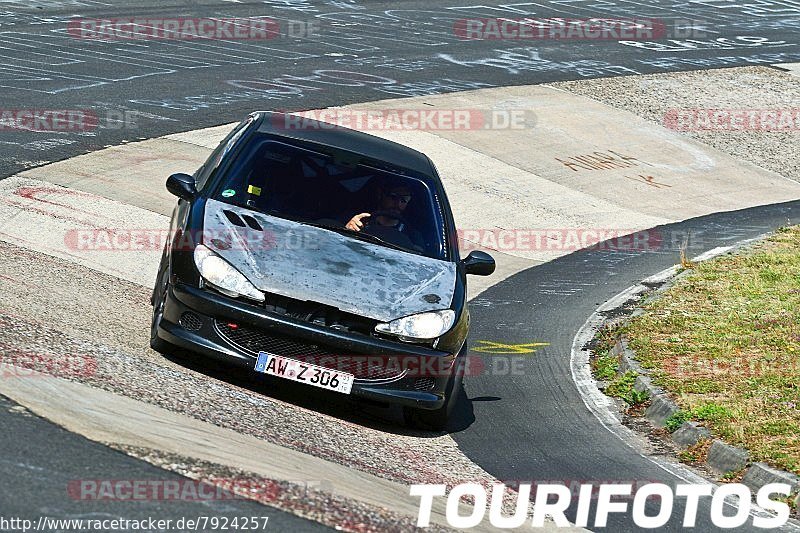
<point x="760" y="474"/>
<point x="661" y="408"/>
<point x="797" y="506"/>
<point x="689" y="434"/>
<point x="644" y="383"/>
<point x="627" y="359"/>
<point x="724" y="458"/>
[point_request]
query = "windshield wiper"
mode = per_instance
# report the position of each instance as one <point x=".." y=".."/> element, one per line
<point x="359" y="235"/>
<point x="377" y="240"/>
<point x="336" y="228"/>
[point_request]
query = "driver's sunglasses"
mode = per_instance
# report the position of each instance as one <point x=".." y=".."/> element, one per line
<point x="404" y="198"/>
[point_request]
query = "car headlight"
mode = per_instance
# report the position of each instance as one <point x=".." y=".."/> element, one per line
<point x="424" y="326"/>
<point x="222" y="276"/>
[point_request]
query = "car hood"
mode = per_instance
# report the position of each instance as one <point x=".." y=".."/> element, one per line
<point x="308" y="263"/>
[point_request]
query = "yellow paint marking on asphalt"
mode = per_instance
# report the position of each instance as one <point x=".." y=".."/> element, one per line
<point x="500" y="348"/>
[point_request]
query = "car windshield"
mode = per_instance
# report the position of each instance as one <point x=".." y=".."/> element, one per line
<point x="329" y="190"/>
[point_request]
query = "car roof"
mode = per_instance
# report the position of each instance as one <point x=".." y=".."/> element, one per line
<point x="341" y="138"/>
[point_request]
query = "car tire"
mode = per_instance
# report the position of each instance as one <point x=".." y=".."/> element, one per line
<point x="160" y="292"/>
<point x="437" y="419"/>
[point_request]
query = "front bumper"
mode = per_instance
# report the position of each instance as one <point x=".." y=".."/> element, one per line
<point x="192" y="319"/>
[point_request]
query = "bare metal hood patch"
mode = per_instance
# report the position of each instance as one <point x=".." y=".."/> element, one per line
<point x="307" y="263"/>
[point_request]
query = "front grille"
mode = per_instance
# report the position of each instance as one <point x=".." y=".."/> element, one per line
<point x="423" y="384"/>
<point x="318" y="314"/>
<point x="190" y="321"/>
<point x="253" y="340"/>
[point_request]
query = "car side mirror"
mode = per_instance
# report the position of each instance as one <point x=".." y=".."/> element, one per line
<point x="182" y="186"/>
<point x="478" y="263"/>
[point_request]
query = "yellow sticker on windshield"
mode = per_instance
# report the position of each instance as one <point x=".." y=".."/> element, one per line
<point x="252" y="189"/>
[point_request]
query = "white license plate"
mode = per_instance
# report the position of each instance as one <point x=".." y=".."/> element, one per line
<point x="303" y="372"/>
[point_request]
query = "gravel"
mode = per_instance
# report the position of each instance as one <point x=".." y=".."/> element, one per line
<point x="652" y="96"/>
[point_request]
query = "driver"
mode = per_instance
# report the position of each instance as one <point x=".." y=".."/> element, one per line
<point x="388" y="222"/>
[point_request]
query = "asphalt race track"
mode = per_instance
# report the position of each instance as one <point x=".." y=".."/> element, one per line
<point x="358" y="52"/>
<point x="527" y="427"/>
<point x="518" y="438"/>
<point x="38" y="474"/>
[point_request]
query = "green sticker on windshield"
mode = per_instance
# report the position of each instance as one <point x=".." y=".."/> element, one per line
<point x="227" y="193"/>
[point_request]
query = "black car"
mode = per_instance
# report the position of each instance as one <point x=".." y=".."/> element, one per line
<point x="322" y="255"/>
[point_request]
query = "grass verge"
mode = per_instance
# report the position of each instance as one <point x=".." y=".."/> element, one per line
<point x="725" y="341"/>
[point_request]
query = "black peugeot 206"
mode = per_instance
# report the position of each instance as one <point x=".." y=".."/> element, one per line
<point x="321" y="255"/>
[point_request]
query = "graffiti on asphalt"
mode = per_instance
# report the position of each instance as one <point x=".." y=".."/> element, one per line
<point x="493" y="347"/>
<point x="606" y="160"/>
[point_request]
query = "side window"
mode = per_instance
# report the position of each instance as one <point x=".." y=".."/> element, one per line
<point x="210" y="167"/>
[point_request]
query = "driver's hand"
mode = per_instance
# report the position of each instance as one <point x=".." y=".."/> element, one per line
<point x="355" y="223"/>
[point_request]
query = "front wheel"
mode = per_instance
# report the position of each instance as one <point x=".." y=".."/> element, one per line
<point x="159" y="298"/>
<point x="436" y="419"/>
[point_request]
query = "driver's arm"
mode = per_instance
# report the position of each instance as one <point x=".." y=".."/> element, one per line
<point x="355" y="223"/>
